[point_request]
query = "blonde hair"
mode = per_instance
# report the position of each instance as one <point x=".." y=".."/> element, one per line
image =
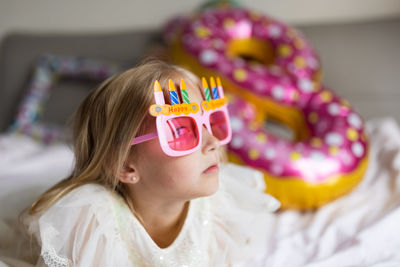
<point x="106" y="123"/>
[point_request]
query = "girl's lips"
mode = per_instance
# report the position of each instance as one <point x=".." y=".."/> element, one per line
<point x="213" y="168"/>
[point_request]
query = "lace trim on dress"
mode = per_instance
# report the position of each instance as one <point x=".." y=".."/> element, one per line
<point x="51" y="259"/>
<point x="48" y="253"/>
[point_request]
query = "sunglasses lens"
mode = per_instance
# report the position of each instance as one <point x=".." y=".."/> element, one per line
<point x="219" y="125"/>
<point x="182" y="133"/>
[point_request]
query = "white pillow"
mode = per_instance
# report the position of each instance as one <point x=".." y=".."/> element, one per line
<point x="28" y="168"/>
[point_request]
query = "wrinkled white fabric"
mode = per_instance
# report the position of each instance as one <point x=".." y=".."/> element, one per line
<point x="92" y="226"/>
<point x="359" y="229"/>
<point x="27" y="168"/>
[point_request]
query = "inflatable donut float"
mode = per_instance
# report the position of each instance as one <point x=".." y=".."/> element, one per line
<point x="274" y="74"/>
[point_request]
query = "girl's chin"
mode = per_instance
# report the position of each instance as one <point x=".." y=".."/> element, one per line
<point x="210" y="184"/>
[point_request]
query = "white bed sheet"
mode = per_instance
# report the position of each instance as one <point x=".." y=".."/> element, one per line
<point x="359" y="229"/>
<point x="27" y="168"/>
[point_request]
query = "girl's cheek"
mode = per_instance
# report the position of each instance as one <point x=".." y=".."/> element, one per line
<point x="180" y="176"/>
<point x="155" y="152"/>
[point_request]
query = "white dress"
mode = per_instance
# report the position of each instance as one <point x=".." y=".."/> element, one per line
<point x="92" y="226"/>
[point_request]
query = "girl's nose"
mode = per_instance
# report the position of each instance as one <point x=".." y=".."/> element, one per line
<point x="210" y="142"/>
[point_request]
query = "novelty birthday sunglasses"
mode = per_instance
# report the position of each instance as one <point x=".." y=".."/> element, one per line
<point x="179" y="125"/>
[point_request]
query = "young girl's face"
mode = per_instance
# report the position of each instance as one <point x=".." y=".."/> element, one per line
<point x="184" y="177"/>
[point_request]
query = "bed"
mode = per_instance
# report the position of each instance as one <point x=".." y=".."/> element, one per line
<point x="359" y="229"/>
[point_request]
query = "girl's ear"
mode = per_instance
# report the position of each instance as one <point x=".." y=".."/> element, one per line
<point x="128" y="174"/>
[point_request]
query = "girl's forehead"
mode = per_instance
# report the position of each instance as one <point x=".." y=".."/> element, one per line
<point x="195" y="94"/>
<point x="194" y="90"/>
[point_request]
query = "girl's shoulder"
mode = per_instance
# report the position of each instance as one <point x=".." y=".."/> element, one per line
<point x="79" y="227"/>
<point x="91" y="189"/>
<point x="94" y="199"/>
<point x="91" y="194"/>
<point x="242" y="213"/>
<point x="246" y="186"/>
<point x="89" y="203"/>
<point x="246" y="175"/>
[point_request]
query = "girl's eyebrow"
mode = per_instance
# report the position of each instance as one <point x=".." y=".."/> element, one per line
<point x="190" y="92"/>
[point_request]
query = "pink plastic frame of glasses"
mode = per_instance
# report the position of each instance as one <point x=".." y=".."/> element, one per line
<point x="192" y="111"/>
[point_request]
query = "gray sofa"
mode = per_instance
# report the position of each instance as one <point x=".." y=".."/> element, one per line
<point x="20" y="52"/>
<point x="361" y="62"/>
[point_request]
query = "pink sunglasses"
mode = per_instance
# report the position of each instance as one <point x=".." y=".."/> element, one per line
<point x="179" y="125"/>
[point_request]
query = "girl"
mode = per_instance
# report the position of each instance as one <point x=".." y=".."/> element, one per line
<point x="146" y="202"/>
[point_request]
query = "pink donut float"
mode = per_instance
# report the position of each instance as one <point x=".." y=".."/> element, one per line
<point x="275" y="75"/>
